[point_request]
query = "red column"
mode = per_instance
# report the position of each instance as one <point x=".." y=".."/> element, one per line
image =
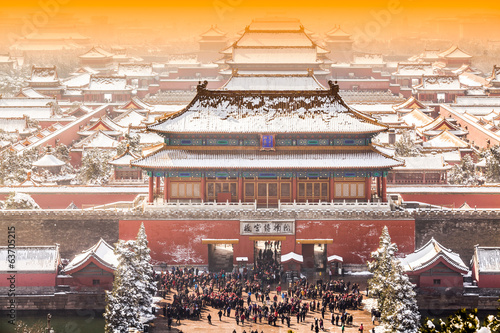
<point x="332" y="189"/>
<point x="423" y="177"/>
<point x="294" y="188"/>
<point x="378" y="187"/>
<point x="240" y="188"/>
<point x="368" y="189"/>
<point x="202" y="188"/>
<point x="166" y="189"/>
<point x="158" y="185"/>
<point x="384" y="189"/>
<point x="151" y="189"/>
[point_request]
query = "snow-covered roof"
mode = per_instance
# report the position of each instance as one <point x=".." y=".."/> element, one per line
<point x="124" y="159"/>
<point x="285" y="55"/>
<point x="275" y="39"/>
<point x="189" y="159"/>
<point x="472" y="80"/>
<point x="337" y="32"/>
<point x="102" y="252"/>
<point x="28" y="92"/>
<point x="410" y="104"/>
<point x="44" y="74"/>
<point x="32" y="112"/>
<point x="42" y="259"/>
<point x="368" y="59"/>
<point x="13" y="125"/>
<point x="445" y="140"/>
<point x="426" y="162"/>
<point x="77" y="81"/>
<point x="429" y="254"/>
<point x="134" y="69"/>
<point x="414" y="69"/>
<point x="454" y="52"/>
<point x="213" y="32"/>
<point x="108" y="83"/>
<point x="373" y="109"/>
<point x="488" y="259"/>
<point x="417" y="118"/>
<point x="478" y="100"/>
<point x="335" y="258"/>
<point x="130" y="118"/>
<point x="217" y="111"/>
<point x="136" y="104"/>
<point x="292" y="256"/>
<point x="48" y="160"/>
<point x="97" y="140"/>
<point x="275" y="82"/>
<point x="448" y="82"/>
<point x="96" y="53"/>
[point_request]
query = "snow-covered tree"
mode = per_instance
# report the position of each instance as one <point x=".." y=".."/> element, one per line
<point x="381" y="267"/>
<point x="465" y="173"/>
<point x="130" y="302"/>
<point x="392" y="288"/>
<point x="17" y="200"/>
<point x="492" y="156"/>
<point x="146" y="287"/>
<point x="14" y="167"/>
<point x="133" y="143"/>
<point x="406" y="147"/>
<point x="401" y="311"/>
<point x="95" y="169"/>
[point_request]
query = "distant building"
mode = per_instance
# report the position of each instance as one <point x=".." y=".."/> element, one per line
<point x="46" y="81"/>
<point x="426" y="169"/>
<point x="211" y="43"/>
<point x="434" y="267"/>
<point x="97" y="59"/>
<point x="339" y="43"/>
<point x="486" y="267"/>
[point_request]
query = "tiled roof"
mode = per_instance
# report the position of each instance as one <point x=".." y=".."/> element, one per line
<point x="429" y="254"/>
<point x="216" y="111"/>
<point x="273" y="82"/>
<point x="102" y="252"/>
<point x="184" y="159"/>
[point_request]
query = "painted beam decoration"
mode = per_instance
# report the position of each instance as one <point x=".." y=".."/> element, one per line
<point x="251" y="228"/>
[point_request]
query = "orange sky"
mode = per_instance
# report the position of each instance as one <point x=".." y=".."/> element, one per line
<point x="201" y="4"/>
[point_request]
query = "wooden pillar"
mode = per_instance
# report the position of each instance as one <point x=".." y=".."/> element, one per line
<point x="384" y="189"/>
<point x="158" y="185"/>
<point x="394" y="177"/>
<point x="151" y="189"/>
<point x="202" y="187"/>
<point x="378" y="187"/>
<point x="166" y="189"/>
<point x="240" y="188"/>
<point x="368" y="188"/>
<point x="423" y="177"/>
<point x="294" y="187"/>
<point x="332" y="189"/>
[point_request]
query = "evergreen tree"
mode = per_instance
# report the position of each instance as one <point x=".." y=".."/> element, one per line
<point x="133" y="143"/>
<point x="17" y="200"/>
<point x="492" y="156"/>
<point x="406" y="147"/>
<point x="381" y="267"/>
<point x="122" y="302"/>
<point x="392" y="288"/>
<point x="401" y="311"/>
<point x="146" y="287"/>
<point x="465" y="173"/>
<point x="95" y="169"/>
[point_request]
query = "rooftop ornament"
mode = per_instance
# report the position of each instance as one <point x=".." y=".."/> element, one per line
<point x="334" y="87"/>
<point x="202" y="86"/>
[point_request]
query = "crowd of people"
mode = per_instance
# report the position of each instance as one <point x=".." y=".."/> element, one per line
<point x="248" y="297"/>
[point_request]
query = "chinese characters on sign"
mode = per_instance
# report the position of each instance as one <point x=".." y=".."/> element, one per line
<point x="267" y="227"/>
<point x="267" y="141"/>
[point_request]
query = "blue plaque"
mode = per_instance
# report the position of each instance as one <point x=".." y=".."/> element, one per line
<point x="267" y="141"/>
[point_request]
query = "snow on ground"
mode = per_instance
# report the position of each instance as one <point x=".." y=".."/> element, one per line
<point x="369" y="304"/>
<point x="359" y="273"/>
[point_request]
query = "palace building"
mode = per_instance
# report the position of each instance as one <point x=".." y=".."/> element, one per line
<point x="267" y="146"/>
<point x="238" y="168"/>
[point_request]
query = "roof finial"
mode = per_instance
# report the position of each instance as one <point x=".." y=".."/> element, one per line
<point x="202" y="86"/>
<point x="334" y="87"/>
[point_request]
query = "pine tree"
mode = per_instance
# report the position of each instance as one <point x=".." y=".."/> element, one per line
<point x="17" y="200"/>
<point x="406" y="147"/>
<point x="401" y="311"/>
<point x="133" y="143"/>
<point x="381" y="267"/>
<point x="493" y="164"/>
<point x="122" y="302"/>
<point x="95" y="169"/>
<point x="465" y="173"/>
<point x="146" y="287"/>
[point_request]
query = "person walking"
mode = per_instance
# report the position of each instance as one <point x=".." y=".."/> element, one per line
<point x="220" y="315"/>
<point x="209" y="317"/>
<point x="361" y="328"/>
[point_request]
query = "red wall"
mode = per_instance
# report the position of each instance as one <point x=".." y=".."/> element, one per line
<point x="63" y="200"/>
<point x="455" y="200"/>
<point x="30" y="280"/>
<point x="488" y="280"/>
<point x="181" y="241"/>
